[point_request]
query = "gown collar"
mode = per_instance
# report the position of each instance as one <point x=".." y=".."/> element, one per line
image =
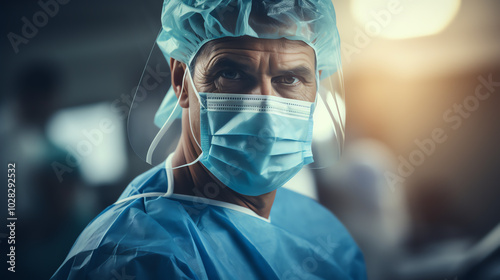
<point x="197" y="199"/>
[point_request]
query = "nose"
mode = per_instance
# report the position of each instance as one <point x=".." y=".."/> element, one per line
<point x="264" y="86"/>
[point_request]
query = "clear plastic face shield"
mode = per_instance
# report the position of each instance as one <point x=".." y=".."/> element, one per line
<point x="155" y="119"/>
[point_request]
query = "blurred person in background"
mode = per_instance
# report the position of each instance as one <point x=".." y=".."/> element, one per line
<point x="44" y="202"/>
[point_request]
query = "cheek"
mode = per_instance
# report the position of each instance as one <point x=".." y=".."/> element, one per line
<point x="207" y="87"/>
<point x="313" y="92"/>
<point x="310" y="90"/>
<point x="302" y="92"/>
<point x="309" y="93"/>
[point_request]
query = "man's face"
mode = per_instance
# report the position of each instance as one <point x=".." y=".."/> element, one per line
<point x="246" y="65"/>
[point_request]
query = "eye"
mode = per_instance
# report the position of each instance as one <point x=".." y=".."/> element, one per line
<point x="287" y="80"/>
<point x="230" y="74"/>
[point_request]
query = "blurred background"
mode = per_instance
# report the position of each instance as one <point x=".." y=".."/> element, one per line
<point x="418" y="185"/>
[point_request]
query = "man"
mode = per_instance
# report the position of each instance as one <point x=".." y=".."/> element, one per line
<point x="247" y="82"/>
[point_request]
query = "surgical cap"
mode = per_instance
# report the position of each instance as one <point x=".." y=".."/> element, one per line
<point x="188" y="24"/>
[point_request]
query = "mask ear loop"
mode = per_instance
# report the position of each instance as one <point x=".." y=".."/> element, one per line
<point x="167" y="124"/>
<point x="201" y="105"/>
<point x="164" y="128"/>
<point x="170" y="184"/>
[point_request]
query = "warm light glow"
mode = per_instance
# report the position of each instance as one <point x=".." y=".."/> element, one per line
<point x="324" y="129"/>
<point x="399" y="19"/>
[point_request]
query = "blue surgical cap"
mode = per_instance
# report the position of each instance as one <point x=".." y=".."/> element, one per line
<point x="188" y="24"/>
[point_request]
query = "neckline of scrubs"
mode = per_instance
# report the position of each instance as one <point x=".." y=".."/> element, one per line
<point x="230" y="206"/>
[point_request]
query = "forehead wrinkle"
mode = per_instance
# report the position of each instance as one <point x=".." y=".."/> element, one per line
<point x="239" y="58"/>
<point x="274" y="60"/>
<point x="259" y="52"/>
<point x="263" y="45"/>
<point x="286" y="63"/>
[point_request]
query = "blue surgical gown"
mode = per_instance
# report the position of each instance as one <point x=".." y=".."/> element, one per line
<point x="173" y="238"/>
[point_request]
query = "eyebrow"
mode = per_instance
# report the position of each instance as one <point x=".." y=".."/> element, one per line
<point x="303" y="71"/>
<point x="226" y="62"/>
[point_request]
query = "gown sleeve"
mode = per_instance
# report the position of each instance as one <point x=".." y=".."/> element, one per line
<point x="135" y="264"/>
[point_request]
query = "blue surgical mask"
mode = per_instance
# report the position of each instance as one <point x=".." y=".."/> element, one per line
<point x="254" y="144"/>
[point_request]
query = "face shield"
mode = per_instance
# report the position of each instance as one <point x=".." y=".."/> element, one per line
<point x="155" y="119"/>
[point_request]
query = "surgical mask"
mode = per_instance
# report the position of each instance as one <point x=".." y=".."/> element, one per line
<point x="254" y="144"/>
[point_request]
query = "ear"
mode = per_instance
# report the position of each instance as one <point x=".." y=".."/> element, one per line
<point x="177" y="70"/>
